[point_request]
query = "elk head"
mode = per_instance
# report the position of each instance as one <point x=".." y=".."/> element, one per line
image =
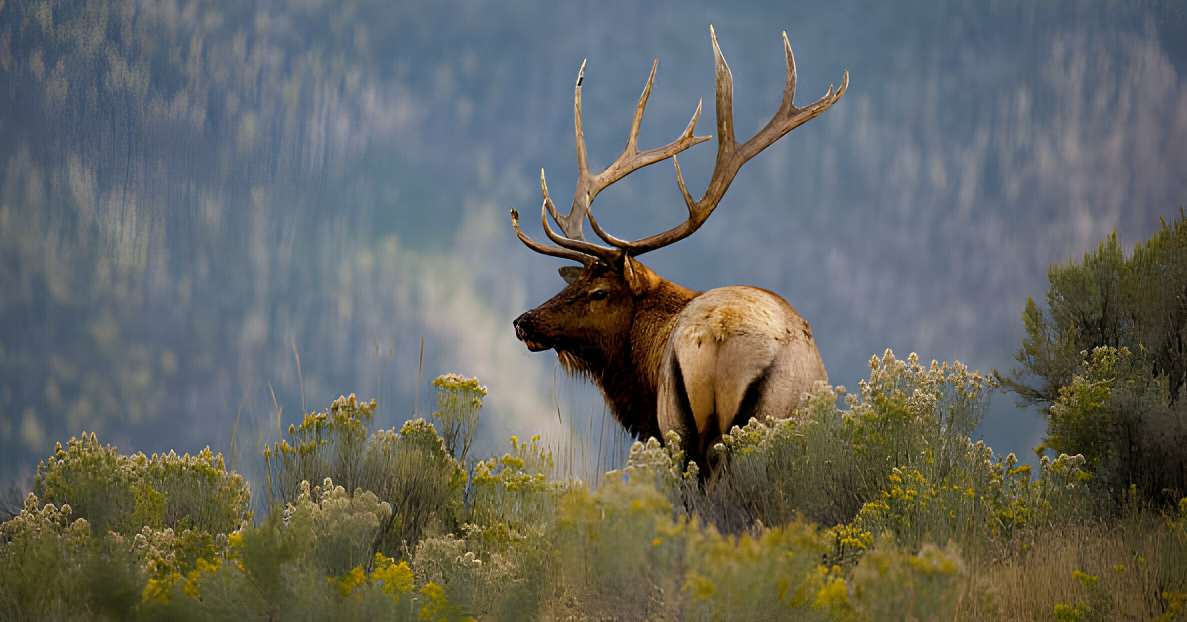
<point x="615" y="315"/>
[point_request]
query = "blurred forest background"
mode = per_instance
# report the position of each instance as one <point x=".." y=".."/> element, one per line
<point x="214" y="211"/>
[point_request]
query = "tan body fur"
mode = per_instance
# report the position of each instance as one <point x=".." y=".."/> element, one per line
<point x="729" y="346"/>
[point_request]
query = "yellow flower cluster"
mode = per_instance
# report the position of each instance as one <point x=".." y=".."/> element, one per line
<point x="436" y="607"/>
<point x="159" y="589"/>
<point x="833" y="595"/>
<point x="347" y="415"/>
<point x="458" y="382"/>
<point x="394" y="579"/>
<point x="850" y="539"/>
<point x="193" y="577"/>
<point x="389" y="577"/>
<point x="1176" y="605"/>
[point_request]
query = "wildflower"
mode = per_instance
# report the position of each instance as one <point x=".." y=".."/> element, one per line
<point x="393" y="579"/>
<point x="458" y="382"/>
<point x="203" y="566"/>
<point x="351" y="580"/>
<point x="435" y="607"/>
<point x="832" y="595"/>
<point x="1019" y="470"/>
<point x="700" y="586"/>
<point x="158" y="589"/>
<point x="1069" y="613"/>
<point x="1087" y="580"/>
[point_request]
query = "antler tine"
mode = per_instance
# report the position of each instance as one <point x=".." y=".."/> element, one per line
<point x="730" y="155"/>
<point x="724" y="79"/>
<point x="548" y="199"/>
<point x="630" y="160"/>
<point x="789" y="86"/>
<point x="567" y="241"/>
<point x="571" y="224"/>
<point x="544" y="248"/>
<point x="632" y="140"/>
<point x="588" y="249"/>
<point x="789" y="117"/>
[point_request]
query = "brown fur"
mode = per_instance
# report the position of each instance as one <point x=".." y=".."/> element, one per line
<point x="620" y="352"/>
<point x="617" y="327"/>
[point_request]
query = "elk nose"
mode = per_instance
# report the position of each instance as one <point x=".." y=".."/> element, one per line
<point x="520" y="332"/>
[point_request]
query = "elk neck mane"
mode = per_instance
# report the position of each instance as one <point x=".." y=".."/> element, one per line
<point x="628" y="373"/>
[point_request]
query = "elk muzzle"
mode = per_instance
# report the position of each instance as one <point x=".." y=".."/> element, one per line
<point x="527" y="331"/>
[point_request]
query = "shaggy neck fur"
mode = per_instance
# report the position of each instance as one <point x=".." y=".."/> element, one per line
<point x="627" y="372"/>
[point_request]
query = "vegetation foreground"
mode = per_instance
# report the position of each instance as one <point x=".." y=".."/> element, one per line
<point x="872" y="505"/>
<point x="881" y="509"/>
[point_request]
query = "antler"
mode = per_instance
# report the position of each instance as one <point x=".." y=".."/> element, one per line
<point x="730" y="158"/>
<point x="730" y="155"/>
<point x="572" y="242"/>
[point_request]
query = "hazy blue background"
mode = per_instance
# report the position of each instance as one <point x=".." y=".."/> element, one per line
<point x="193" y="193"/>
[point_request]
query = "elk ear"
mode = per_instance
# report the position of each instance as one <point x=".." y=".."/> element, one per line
<point x="571" y="273"/>
<point x="638" y="277"/>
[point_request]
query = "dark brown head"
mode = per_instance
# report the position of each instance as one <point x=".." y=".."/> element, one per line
<point x="592" y="316"/>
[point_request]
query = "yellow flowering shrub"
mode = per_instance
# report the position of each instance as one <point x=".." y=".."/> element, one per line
<point x="775" y="574"/>
<point x="394" y="579"/>
<point x="607" y="551"/>
<point x="165" y="552"/>
<point x="344" y="527"/>
<point x="832" y="514"/>
<point x="126" y="492"/>
<point x="891" y="584"/>
<point x="328" y="443"/>
<point x="827" y="462"/>
<point x="458" y="401"/>
<point x="516" y="488"/>
<point x="485" y="574"/>
<point x="412" y="469"/>
<point x="54" y="566"/>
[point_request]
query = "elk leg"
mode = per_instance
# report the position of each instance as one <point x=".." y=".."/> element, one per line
<point x="742" y="364"/>
<point x="674" y="413"/>
<point x="692" y="379"/>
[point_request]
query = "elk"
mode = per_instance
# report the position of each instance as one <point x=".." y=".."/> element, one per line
<point x="665" y="357"/>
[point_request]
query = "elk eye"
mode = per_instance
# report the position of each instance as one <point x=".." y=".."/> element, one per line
<point x="598" y="294"/>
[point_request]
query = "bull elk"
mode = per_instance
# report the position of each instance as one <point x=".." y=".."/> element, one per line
<point x="668" y="358"/>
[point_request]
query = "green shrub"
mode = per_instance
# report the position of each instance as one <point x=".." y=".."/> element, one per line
<point x="414" y="472"/>
<point x="1119" y="417"/>
<point x="897" y="460"/>
<point x="491" y="572"/>
<point x="836" y="513"/>
<point x="515" y="489"/>
<point x="774" y="574"/>
<point x="124" y="493"/>
<point x="52" y="567"/>
<point x="458" y="401"/>
<point x="328" y="443"/>
<point x="1121" y="406"/>
<point x="97" y="481"/>
<point x="892" y="584"/>
<point x="618" y="549"/>
<point x="345" y="527"/>
<point x="412" y="469"/>
<point x="826" y="463"/>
